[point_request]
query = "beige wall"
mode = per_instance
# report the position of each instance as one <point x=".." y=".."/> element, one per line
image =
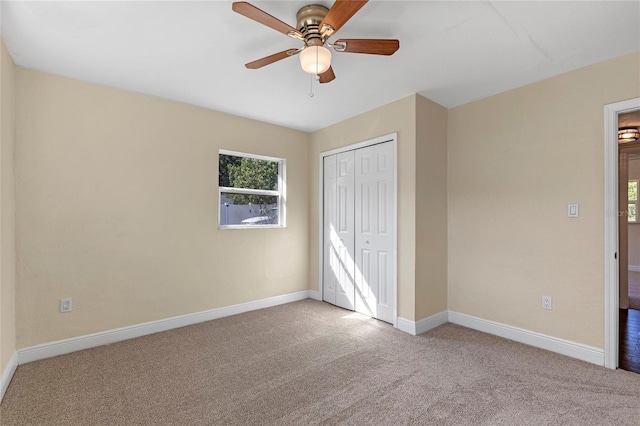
<point x="515" y="161"/>
<point x="117" y="208"/>
<point x="431" y="208"/>
<point x="634" y="228"/>
<point x="7" y="211"/>
<point x="397" y="117"/>
<point x="117" y="205"/>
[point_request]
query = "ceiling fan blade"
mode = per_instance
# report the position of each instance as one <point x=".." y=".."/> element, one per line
<point x="371" y="46"/>
<point x="341" y="12"/>
<point x="327" y="76"/>
<point x="258" y="15"/>
<point x="271" y="58"/>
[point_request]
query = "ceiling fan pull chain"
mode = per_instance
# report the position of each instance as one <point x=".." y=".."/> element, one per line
<point x="311" y="87"/>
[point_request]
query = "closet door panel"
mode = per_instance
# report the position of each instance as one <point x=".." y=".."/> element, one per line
<point x="331" y="264"/>
<point x="338" y="273"/>
<point x="374" y="183"/>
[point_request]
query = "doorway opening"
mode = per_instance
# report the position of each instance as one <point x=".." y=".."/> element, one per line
<point x="612" y="214"/>
<point x="629" y="243"/>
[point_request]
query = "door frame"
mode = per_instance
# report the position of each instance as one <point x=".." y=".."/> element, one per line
<point x="393" y="139"/>
<point x="611" y="295"/>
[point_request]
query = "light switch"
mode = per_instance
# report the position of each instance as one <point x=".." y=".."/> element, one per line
<point x="573" y="210"/>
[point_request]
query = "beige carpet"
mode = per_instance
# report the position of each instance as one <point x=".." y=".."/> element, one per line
<point x="634" y="290"/>
<point x="311" y="363"/>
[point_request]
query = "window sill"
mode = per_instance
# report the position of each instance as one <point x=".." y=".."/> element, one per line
<point x="250" y="226"/>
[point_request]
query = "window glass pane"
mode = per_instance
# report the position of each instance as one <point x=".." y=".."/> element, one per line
<point x="241" y="209"/>
<point x="249" y="173"/>
<point x="633" y="190"/>
<point x="632" y="213"/>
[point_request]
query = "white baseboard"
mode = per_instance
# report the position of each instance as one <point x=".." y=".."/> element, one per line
<point x="406" y="325"/>
<point x="61" y="347"/>
<point x="315" y="295"/>
<point x="565" y="347"/>
<point x="431" y="322"/>
<point x="423" y="325"/>
<point x="7" y="374"/>
<point x="634" y="268"/>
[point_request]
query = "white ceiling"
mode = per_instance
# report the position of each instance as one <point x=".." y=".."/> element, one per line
<point x="194" y="51"/>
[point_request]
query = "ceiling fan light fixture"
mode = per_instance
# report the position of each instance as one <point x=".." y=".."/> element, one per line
<point x="315" y="59"/>
<point x="628" y="134"/>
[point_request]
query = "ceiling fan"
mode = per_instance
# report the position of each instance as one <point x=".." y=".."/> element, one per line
<point x="315" y="24"/>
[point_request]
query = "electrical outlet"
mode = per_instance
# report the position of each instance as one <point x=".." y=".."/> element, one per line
<point x="65" y="305"/>
<point x="546" y="302"/>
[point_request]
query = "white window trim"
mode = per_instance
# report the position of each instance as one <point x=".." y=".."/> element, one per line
<point x="636" y="202"/>
<point x="280" y="193"/>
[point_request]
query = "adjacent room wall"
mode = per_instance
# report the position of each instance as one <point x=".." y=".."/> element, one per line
<point x="516" y="160"/>
<point x="400" y="117"/>
<point x="634" y="228"/>
<point x="117" y="208"/>
<point x="431" y="208"/>
<point x="7" y="211"/>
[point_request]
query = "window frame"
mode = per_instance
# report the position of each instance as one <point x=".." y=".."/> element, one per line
<point x="280" y="193"/>
<point x="635" y="202"/>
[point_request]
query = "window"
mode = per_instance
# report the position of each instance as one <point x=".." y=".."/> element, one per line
<point x="251" y="191"/>
<point x="632" y="208"/>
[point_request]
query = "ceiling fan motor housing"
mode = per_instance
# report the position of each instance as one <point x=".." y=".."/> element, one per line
<point x="309" y="19"/>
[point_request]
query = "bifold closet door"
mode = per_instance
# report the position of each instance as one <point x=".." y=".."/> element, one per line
<point x="339" y="239"/>
<point x="374" y="200"/>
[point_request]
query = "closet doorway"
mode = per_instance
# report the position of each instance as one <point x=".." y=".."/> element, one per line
<point x="359" y="205"/>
